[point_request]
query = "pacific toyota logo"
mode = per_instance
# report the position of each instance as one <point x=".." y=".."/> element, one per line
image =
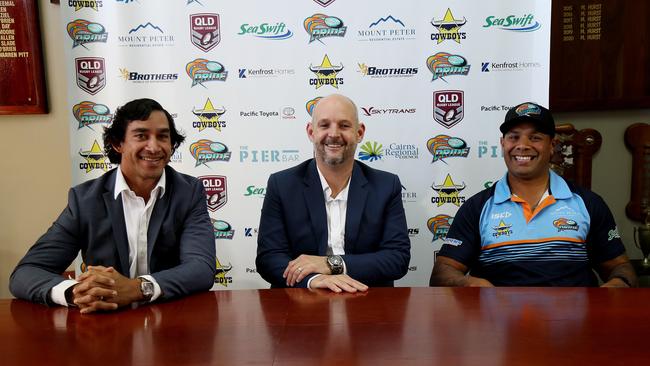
<point x="216" y="191"/>
<point x="205" y="31"/>
<point x="91" y="74"/>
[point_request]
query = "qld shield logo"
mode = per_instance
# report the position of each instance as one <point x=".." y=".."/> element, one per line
<point x="91" y="74"/>
<point x="216" y="191"/>
<point x="448" y="107"/>
<point x="205" y="32"/>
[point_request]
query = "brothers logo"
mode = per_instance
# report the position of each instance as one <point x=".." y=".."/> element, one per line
<point x="277" y="31"/>
<point x="324" y="3"/>
<point x="563" y="224"/>
<point x="80" y="4"/>
<point x="89" y="113"/>
<point x="371" y="151"/>
<point x="387" y="28"/>
<point x="204" y="31"/>
<point x="372" y="111"/>
<point x="82" y="31"/>
<point x="216" y="190"/>
<point x="139" y="77"/>
<point x="91" y="74"/>
<point x="439" y="226"/>
<point x="320" y="26"/>
<point x="220" y="276"/>
<point x="311" y="104"/>
<point x="222" y="229"/>
<point x="377" y="72"/>
<point x="448" y="28"/>
<point x="448" y="192"/>
<point x="209" y="117"/>
<point x="326" y="74"/>
<point x="146" y="35"/>
<point x="205" y="151"/>
<point x="249" y="155"/>
<point x="443" y="64"/>
<point x="525" y="23"/>
<point x="502" y="229"/>
<point x="202" y="70"/>
<point x="95" y="159"/>
<point x="444" y="146"/>
<point x="448" y="107"/>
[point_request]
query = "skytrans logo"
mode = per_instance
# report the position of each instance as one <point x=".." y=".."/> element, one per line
<point x="326" y="74"/>
<point x="439" y="226"/>
<point x="146" y="35"/>
<point x="209" y="117"/>
<point x="444" y="146"/>
<point x="82" y="31"/>
<point x="205" y="32"/>
<point x="271" y="31"/>
<point x="448" y="192"/>
<point x="380" y="72"/>
<point x="382" y="111"/>
<point x="91" y="74"/>
<point x="80" y="4"/>
<point x="448" y="28"/>
<point x="95" y="159"/>
<point x="372" y="150"/>
<point x="138" y="77"/>
<point x="202" y="70"/>
<point x="320" y="26"/>
<point x="444" y="64"/>
<point x="205" y="151"/>
<point x="248" y="155"/>
<point x="89" y="113"/>
<point x="387" y="28"/>
<point x="514" y="23"/>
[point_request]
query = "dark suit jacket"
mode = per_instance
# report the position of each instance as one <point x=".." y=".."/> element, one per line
<point x="294" y="222"/>
<point x="181" y="247"/>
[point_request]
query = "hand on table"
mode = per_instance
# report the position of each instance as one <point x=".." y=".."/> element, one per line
<point x="338" y="283"/>
<point x="104" y="288"/>
<point x="304" y="265"/>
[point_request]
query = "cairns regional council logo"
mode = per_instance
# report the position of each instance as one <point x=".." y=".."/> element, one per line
<point x="514" y="23"/>
<point x="444" y="64"/>
<point x="563" y="224"/>
<point x="271" y="31"/>
<point x="448" y="107"/>
<point x="205" y="32"/>
<point x="209" y="117"/>
<point x="448" y="192"/>
<point x="319" y="26"/>
<point x="311" y="104"/>
<point x="96" y="159"/>
<point x="326" y="74"/>
<point x="80" y="4"/>
<point x="82" y="31"/>
<point x="371" y="151"/>
<point x="91" y="74"/>
<point x="205" y="151"/>
<point x="222" y="229"/>
<point x="220" y="276"/>
<point x="202" y="70"/>
<point x="445" y="146"/>
<point x="88" y="113"/>
<point x="448" y="28"/>
<point x="502" y="229"/>
<point x="439" y="226"/>
<point x="216" y="191"/>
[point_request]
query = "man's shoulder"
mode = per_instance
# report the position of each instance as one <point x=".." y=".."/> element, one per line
<point x="178" y="179"/>
<point x="97" y="186"/>
<point x="375" y="175"/>
<point x="296" y="171"/>
<point x="479" y="199"/>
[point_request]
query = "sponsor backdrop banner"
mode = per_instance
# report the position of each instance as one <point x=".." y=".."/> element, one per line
<point x="432" y="80"/>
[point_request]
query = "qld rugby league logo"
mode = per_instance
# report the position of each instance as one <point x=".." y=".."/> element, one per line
<point x="205" y="32"/>
<point x="91" y="74"/>
<point x="216" y="191"/>
<point x="448" y="107"/>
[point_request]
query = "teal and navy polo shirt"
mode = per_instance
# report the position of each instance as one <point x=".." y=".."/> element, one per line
<point x="499" y="238"/>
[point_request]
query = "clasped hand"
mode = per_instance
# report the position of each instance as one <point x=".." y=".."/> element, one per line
<point x="104" y="288"/>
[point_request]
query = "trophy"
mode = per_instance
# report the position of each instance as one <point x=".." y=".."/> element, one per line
<point x="642" y="236"/>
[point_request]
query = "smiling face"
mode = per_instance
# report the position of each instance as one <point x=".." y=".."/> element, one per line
<point x="527" y="153"/>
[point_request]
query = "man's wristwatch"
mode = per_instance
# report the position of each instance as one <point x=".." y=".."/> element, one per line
<point x="146" y="287"/>
<point x="335" y="262"/>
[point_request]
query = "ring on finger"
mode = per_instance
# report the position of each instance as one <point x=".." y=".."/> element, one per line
<point x="299" y="269"/>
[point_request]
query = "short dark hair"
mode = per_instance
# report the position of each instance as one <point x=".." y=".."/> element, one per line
<point x="138" y="109"/>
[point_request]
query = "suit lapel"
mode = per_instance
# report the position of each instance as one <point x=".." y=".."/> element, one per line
<point x="357" y="194"/>
<point x="157" y="216"/>
<point x="313" y="195"/>
<point x="116" y="216"/>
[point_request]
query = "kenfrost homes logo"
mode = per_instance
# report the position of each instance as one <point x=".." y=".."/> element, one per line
<point x="372" y="150"/>
<point x="209" y="117"/>
<point x="514" y="23"/>
<point x="220" y="276"/>
<point x="205" y="151"/>
<point x="439" y="226"/>
<point x="387" y="28"/>
<point x="311" y="104"/>
<point x="249" y="232"/>
<point x="254" y="191"/>
<point x="88" y="113"/>
<point x="205" y="32"/>
<point x="216" y="191"/>
<point x="80" y="4"/>
<point x="248" y="155"/>
<point x="444" y="64"/>
<point x="259" y="72"/>
<point x="448" y="28"/>
<point x="387" y="72"/>
<point x="508" y="66"/>
<point x="91" y="74"/>
<point x="202" y="70"/>
<point x="95" y="159"/>
<point x="487" y="150"/>
<point x="139" y="77"/>
<point x="448" y="107"/>
<point x="319" y="26"/>
<point x="382" y="111"/>
<point x="146" y="35"/>
<point x="445" y="146"/>
<point x="326" y="74"/>
<point x="271" y="31"/>
<point x="82" y="31"/>
<point x="448" y="192"/>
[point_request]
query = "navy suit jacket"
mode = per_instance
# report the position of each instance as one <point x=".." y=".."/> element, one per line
<point x="181" y="249"/>
<point x="294" y="222"/>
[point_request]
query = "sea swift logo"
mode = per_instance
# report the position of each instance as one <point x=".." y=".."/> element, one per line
<point x="387" y="28"/>
<point x="563" y="224"/>
<point x="271" y="31"/>
<point x="444" y="64"/>
<point x="220" y="276"/>
<point x="448" y="107"/>
<point x="371" y="151"/>
<point x="439" y="226"/>
<point x="386" y="72"/>
<point x="80" y="4"/>
<point x="253" y="191"/>
<point x="205" y="32"/>
<point x="502" y="229"/>
<point x="205" y="151"/>
<point x="448" y="192"/>
<point x="311" y="104"/>
<point x="209" y="117"/>
<point x="222" y="229"/>
<point x="448" y="28"/>
<point x="89" y="113"/>
<point x="82" y="31"/>
<point x="524" y="23"/>
<point x="444" y="146"/>
<point x="202" y="70"/>
<point x="91" y="74"/>
<point x="381" y="111"/>
<point x="320" y="26"/>
<point x="146" y="35"/>
<point x="216" y="191"/>
<point x="326" y="74"/>
<point x="139" y="77"/>
<point x="95" y="159"/>
<point x="324" y="3"/>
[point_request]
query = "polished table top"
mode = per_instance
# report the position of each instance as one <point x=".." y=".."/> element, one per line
<point x="385" y="326"/>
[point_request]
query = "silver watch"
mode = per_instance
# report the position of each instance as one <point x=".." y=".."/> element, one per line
<point x="335" y="262"/>
<point x="146" y="287"/>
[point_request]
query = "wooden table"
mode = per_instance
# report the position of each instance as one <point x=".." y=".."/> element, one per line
<point x="400" y="326"/>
